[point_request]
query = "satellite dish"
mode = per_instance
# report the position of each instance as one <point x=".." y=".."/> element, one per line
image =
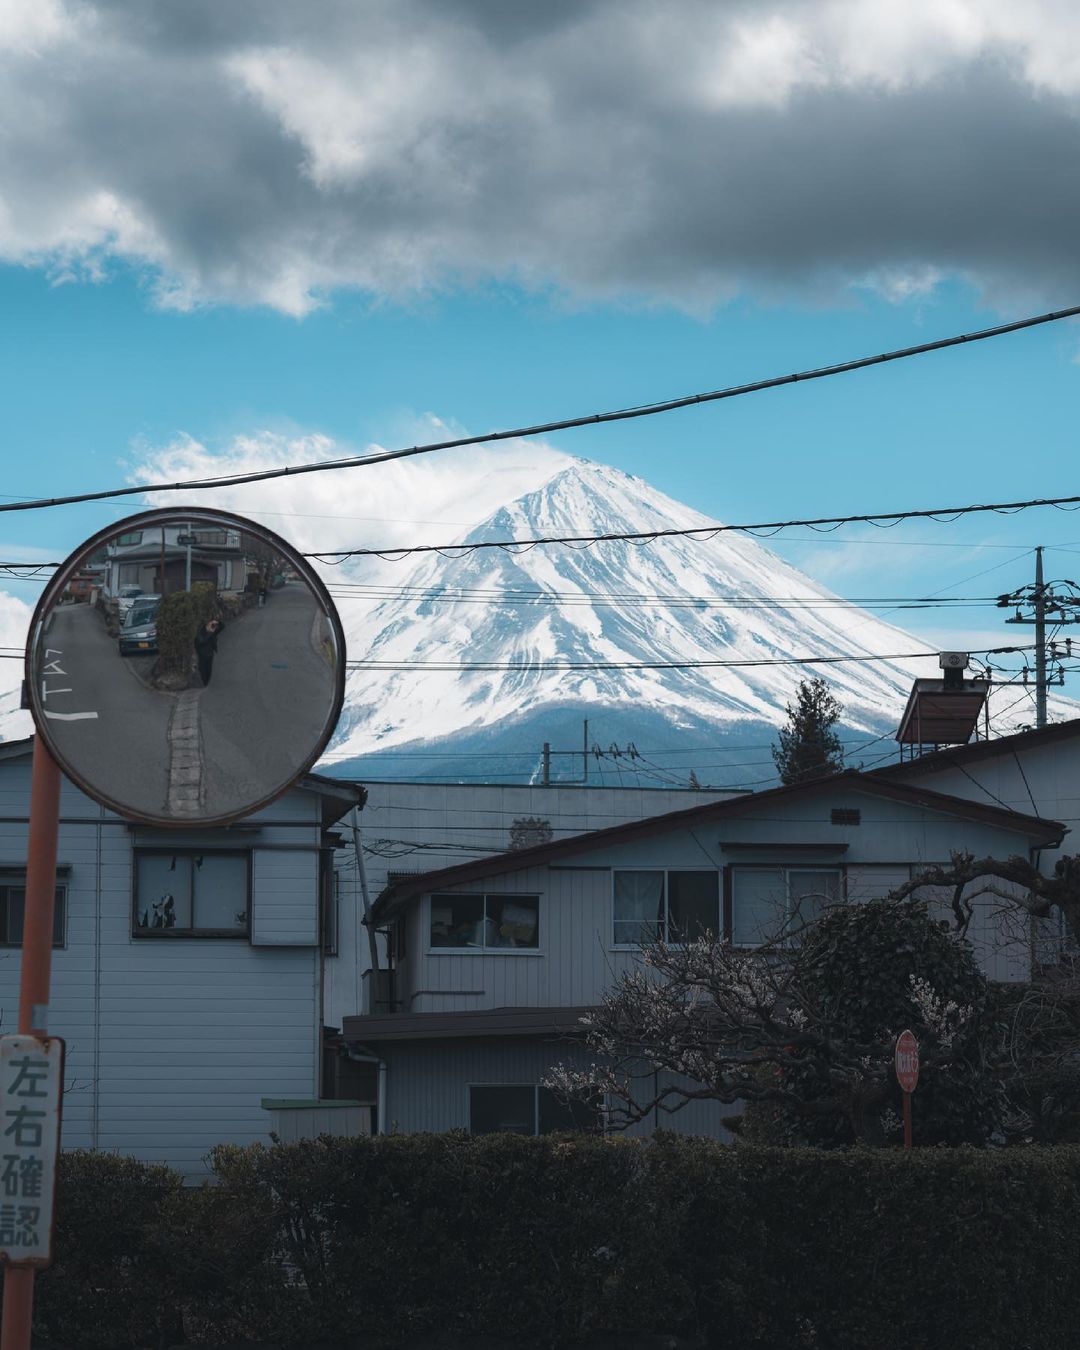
<point x="185" y="667"/>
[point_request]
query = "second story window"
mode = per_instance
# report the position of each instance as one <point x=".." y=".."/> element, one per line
<point x="769" y="902"/>
<point x="13" y="911"/>
<point x="485" y="922"/>
<point x="665" y="906"/>
<point x="191" y="894"/>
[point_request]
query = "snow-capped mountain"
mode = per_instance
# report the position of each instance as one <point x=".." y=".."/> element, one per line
<point x="616" y="603"/>
<point x="419" y="703"/>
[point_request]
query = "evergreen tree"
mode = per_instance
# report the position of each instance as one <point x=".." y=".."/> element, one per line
<point x="808" y="745"/>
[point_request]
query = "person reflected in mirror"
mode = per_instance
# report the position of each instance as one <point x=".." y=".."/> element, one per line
<point x="206" y="639"/>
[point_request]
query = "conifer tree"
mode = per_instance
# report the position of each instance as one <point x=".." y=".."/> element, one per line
<point x="808" y="744"/>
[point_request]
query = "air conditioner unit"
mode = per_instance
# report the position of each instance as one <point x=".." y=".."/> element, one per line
<point x="953" y="660"/>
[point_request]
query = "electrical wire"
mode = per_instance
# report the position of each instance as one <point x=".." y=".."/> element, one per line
<point x="540" y="668"/>
<point x="438" y="594"/>
<point x="697" y="533"/>
<point x="560" y="424"/>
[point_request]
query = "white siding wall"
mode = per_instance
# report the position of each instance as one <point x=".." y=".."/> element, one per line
<point x="284" y="897"/>
<point x="431" y="825"/>
<point x="172" y="1043"/>
<point x="428" y="1084"/>
<point x="1041" y="780"/>
<point x="577" y="958"/>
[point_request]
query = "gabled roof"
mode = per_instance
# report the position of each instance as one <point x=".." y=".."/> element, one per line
<point x="979" y="750"/>
<point x="407" y="888"/>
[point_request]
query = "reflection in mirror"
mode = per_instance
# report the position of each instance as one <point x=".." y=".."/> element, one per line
<point x="183" y="668"/>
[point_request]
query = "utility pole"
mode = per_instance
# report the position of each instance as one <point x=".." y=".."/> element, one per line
<point x="583" y="752"/>
<point x="1058" y="602"/>
<point x="1039" y="602"/>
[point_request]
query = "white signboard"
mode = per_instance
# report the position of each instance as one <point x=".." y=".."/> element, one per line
<point x="31" y="1078"/>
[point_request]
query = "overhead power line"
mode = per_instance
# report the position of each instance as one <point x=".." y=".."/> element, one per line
<point x="545" y="428"/>
<point x="543" y="667"/>
<point x="700" y="533"/>
<point x="633" y="599"/>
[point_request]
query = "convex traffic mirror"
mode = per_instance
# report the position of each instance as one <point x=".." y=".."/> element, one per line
<point x="185" y="667"/>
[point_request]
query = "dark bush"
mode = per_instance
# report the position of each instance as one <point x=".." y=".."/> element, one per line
<point x="114" y="1282"/>
<point x="856" y="971"/>
<point x="204" y="598"/>
<point x="446" y="1240"/>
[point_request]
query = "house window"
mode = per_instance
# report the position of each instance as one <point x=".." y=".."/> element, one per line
<point x="128" y="540"/>
<point x="485" y="922"/>
<point x="13" y="909"/>
<point x="668" y="906"/>
<point x="191" y="894"/>
<point x="769" y="902"/>
<point x="527" y="1108"/>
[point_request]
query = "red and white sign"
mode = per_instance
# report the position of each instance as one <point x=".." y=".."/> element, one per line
<point x="907" y="1061"/>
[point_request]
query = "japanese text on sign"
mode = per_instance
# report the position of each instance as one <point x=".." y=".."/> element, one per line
<point x="31" y="1077"/>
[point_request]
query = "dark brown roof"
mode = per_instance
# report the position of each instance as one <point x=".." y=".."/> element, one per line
<point x="433" y="1026"/>
<point x="977" y="750"/>
<point x="1045" y="831"/>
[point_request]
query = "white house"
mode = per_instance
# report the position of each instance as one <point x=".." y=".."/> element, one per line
<point x="406" y="828"/>
<point x="492" y="961"/>
<point x="162" y="558"/>
<point x="187" y="965"/>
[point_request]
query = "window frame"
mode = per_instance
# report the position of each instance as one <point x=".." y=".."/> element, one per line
<point x="130" y="539"/>
<point x="189" y="934"/>
<point x="537" y="1088"/>
<point x="17" y="881"/>
<point x="837" y="870"/>
<point x="721" y="911"/>
<point x="484" y="896"/>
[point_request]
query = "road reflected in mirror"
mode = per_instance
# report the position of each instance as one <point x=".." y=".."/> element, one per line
<point x="184" y="667"/>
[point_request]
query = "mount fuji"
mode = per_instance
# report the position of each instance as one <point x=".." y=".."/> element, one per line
<point x="623" y="635"/>
<point x="669" y="603"/>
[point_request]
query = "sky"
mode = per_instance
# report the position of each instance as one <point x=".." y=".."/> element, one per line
<point x="263" y="232"/>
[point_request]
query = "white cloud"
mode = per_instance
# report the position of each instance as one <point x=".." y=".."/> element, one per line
<point x="14" y="625"/>
<point x="265" y="152"/>
<point x="435" y="499"/>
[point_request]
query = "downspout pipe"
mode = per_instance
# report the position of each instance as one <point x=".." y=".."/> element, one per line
<point x="380" y="1090"/>
<point x="373" y="945"/>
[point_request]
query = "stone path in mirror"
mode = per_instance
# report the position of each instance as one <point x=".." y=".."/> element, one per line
<point x="207" y="752"/>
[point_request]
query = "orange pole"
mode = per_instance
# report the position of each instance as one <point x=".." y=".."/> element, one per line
<point x="35" y="973"/>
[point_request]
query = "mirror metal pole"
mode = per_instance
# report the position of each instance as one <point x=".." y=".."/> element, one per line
<point x="35" y="974"/>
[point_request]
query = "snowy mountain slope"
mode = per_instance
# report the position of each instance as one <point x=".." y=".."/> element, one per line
<point x="615" y="603"/>
<point x="597" y="605"/>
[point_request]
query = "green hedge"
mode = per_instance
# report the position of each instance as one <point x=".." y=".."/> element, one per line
<point x="176" y="626"/>
<point x="436" y="1240"/>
